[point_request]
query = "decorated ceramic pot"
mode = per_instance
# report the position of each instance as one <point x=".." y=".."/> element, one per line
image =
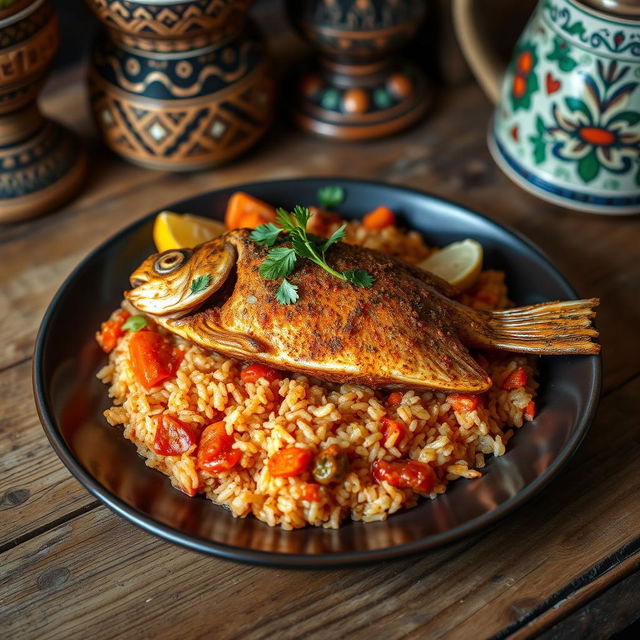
<point x="358" y="88"/>
<point x="41" y="163"/>
<point x="179" y="85"/>
<point x="567" y="121"/>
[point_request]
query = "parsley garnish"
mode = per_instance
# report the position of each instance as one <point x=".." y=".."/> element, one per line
<point x="281" y="261"/>
<point x="329" y="197"/>
<point x="135" y="323"/>
<point x="266" y="234"/>
<point x="200" y="283"/>
<point x="278" y="264"/>
<point x="287" y="293"/>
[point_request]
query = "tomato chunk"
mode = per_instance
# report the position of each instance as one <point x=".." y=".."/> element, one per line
<point x="530" y="411"/>
<point x="311" y="492"/>
<point x="463" y="401"/>
<point x="111" y="331"/>
<point x="405" y="474"/>
<point x="379" y="218"/>
<point x="152" y="358"/>
<point x="516" y="379"/>
<point x="289" y="462"/>
<point x="216" y="452"/>
<point x="393" y="430"/>
<point x="173" y="437"/>
<point x="395" y="398"/>
<point x="246" y="212"/>
<point x="254" y="372"/>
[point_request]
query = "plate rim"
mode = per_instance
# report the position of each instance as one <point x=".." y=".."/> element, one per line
<point x="301" y="560"/>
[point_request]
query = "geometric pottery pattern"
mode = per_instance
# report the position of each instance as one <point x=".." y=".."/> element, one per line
<point x="187" y="108"/>
<point x="183" y="19"/>
<point x="184" y="134"/>
<point x="21" y="59"/>
<point x="37" y="163"/>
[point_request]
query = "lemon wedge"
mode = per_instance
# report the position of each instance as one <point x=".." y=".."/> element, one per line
<point x="181" y="231"/>
<point x="459" y="263"/>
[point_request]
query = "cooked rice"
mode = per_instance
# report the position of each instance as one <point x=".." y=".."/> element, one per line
<point x="310" y="413"/>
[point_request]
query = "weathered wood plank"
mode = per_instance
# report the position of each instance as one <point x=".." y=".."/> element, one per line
<point x="611" y="599"/>
<point x="35" y="488"/>
<point x="611" y="613"/>
<point x="96" y="571"/>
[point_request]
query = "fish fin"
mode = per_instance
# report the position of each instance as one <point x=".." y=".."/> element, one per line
<point x="550" y="328"/>
<point x="204" y="331"/>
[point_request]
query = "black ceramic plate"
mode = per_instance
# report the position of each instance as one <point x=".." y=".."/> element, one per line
<point x="70" y="399"/>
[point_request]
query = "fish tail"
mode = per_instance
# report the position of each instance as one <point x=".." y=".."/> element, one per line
<point x="550" y="328"/>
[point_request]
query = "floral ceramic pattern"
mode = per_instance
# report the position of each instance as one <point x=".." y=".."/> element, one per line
<point x="525" y="82"/>
<point x="568" y="123"/>
<point x="594" y="131"/>
<point x="585" y="29"/>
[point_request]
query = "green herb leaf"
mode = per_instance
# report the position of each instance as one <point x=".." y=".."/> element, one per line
<point x="287" y="293"/>
<point x="329" y="197"/>
<point x="301" y="215"/>
<point x="359" y="277"/>
<point x="266" y="234"/>
<point x="284" y="219"/>
<point x="281" y="261"/>
<point x="278" y="264"/>
<point x="303" y="246"/>
<point x="338" y="234"/>
<point x="200" y="283"/>
<point x="135" y="323"/>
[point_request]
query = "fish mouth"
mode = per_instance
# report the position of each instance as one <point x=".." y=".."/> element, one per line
<point x="138" y="278"/>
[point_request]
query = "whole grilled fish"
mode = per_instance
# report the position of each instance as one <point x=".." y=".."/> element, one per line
<point x="405" y="331"/>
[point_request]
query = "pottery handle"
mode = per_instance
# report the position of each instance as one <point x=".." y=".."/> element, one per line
<point x="484" y="62"/>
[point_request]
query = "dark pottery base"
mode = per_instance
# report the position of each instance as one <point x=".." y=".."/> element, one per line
<point x="347" y="103"/>
<point x="40" y="173"/>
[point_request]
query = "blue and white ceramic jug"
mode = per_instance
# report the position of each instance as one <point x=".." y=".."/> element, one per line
<point x="567" y="120"/>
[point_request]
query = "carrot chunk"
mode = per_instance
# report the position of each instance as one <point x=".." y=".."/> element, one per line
<point x="152" y="358"/>
<point x="379" y="218"/>
<point x="289" y="462"/>
<point x="246" y="212"/>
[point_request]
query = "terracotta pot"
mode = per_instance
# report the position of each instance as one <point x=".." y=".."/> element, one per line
<point x="179" y="85"/>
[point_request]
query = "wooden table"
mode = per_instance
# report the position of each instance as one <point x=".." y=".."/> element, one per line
<point x="565" y="565"/>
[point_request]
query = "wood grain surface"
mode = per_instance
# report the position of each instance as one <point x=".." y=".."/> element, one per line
<point x="67" y="564"/>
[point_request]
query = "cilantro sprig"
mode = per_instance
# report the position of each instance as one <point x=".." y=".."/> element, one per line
<point x="281" y="260"/>
<point x="329" y="196"/>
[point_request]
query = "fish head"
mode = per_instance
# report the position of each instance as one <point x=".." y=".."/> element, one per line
<point x="179" y="281"/>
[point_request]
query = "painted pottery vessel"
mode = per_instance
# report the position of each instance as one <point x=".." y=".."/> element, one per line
<point x="179" y="85"/>
<point x="567" y="121"/>
<point x="42" y="164"/>
<point x="359" y="87"/>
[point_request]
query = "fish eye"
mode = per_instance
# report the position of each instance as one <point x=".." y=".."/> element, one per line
<point x="170" y="261"/>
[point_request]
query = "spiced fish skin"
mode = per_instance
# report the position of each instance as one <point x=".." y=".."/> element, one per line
<point x="405" y="331"/>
